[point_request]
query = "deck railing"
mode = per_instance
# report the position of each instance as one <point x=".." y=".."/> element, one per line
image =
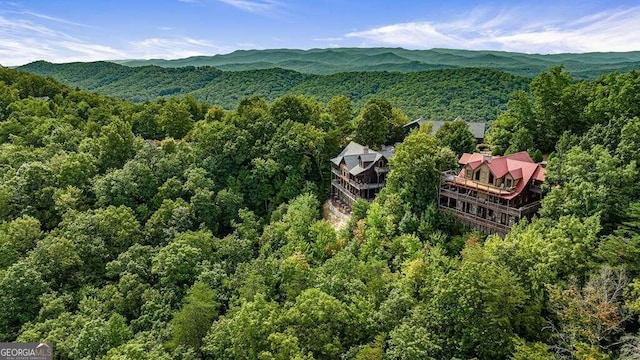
<point x="450" y="177"/>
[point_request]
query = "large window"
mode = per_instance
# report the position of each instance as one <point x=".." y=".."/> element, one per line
<point x="477" y="175"/>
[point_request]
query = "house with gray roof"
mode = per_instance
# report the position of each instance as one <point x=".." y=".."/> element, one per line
<point x="359" y="172"/>
<point x="477" y="128"/>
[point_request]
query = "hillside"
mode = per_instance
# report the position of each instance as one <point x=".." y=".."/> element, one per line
<point x="474" y="94"/>
<point x="337" y="60"/>
<point x="174" y="230"/>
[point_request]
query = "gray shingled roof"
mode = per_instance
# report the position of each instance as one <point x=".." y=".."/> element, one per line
<point x="371" y="156"/>
<point x="352" y="154"/>
<point x="477" y="128"/>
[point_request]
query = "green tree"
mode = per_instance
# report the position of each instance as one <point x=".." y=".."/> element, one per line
<point x="58" y="261"/>
<point x="116" y="145"/>
<point x="31" y="192"/>
<point x="99" y="236"/>
<point x="133" y="185"/>
<point x="469" y="315"/>
<point x="175" y="119"/>
<point x="584" y="183"/>
<point x="20" y="287"/>
<point x="98" y="336"/>
<point x="177" y="263"/>
<point x="17" y="237"/>
<point x="243" y="332"/>
<point x="341" y="108"/>
<point x="173" y="217"/>
<point x="145" y="122"/>
<point x="295" y="108"/>
<point x="191" y="323"/>
<point x="456" y="136"/>
<point x="520" y="141"/>
<point x="628" y="149"/>
<point x="77" y="170"/>
<point x="318" y="320"/>
<point x="414" y="174"/>
<point x="552" y="107"/>
<point x="373" y="124"/>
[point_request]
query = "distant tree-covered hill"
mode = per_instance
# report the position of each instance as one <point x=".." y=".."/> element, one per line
<point x="337" y="60"/>
<point x="472" y="93"/>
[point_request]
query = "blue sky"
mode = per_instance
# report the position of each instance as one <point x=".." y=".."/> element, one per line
<point x="73" y="30"/>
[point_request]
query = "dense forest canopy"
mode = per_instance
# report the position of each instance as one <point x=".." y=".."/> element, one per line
<point x="338" y="60"/>
<point x="175" y="229"/>
<point x="472" y="93"/>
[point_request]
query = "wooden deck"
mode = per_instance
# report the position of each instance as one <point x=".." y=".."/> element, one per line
<point x="470" y="184"/>
<point x="485" y="224"/>
<point x="478" y="222"/>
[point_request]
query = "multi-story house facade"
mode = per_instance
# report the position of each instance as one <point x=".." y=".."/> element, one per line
<point x="492" y="193"/>
<point x="359" y="173"/>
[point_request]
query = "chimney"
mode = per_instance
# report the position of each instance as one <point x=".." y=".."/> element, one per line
<point x="365" y="149"/>
<point x="487" y="158"/>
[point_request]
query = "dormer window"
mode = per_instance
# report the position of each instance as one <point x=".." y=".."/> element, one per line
<point x="491" y="179"/>
<point x="509" y="183"/>
<point x="477" y="177"/>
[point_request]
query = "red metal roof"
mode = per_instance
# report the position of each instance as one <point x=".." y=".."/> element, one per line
<point x="474" y="164"/>
<point x="521" y="156"/>
<point x="519" y="165"/>
<point x="539" y="174"/>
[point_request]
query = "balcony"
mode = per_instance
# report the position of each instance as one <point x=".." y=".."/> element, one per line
<point x="536" y="189"/>
<point x="478" y="221"/>
<point x="479" y="202"/>
<point x="351" y="196"/>
<point x="510" y="210"/>
<point x="474" y="185"/>
<point x="381" y="169"/>
<point x="358" y="184"/>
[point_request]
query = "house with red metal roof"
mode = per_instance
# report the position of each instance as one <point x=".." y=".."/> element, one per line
<point x="492" y="193"/>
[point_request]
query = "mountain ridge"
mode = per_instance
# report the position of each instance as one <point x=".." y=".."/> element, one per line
<point x="321" y="61"/>
<point x="473" y="93"/>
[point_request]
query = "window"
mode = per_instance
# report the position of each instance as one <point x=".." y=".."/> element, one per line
<point x="509" y="183"/>
<point x="491" y="178"/>
<point x="477" y="175"/>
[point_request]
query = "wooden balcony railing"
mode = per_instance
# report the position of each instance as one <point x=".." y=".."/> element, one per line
<point x="472" y="184"/>
<point x="490" y="205"/>
<point x="359" y="185"/>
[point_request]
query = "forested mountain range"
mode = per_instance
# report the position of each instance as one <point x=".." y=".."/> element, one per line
<point x="174" y="229"/>
<point x="337" y="60"/>
<point x="472" y="93"/>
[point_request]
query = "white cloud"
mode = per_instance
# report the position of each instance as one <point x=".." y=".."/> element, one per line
<point x="254" y="6"/>
<point x="329" y="39"/>
<point x="23" y="40"/>
<point x="412" y="34"/>
<point x="515" y="30"/>
<point x="173" y="48"/>
<point x="55" y="19"/>
<point x="26" y="36"/>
